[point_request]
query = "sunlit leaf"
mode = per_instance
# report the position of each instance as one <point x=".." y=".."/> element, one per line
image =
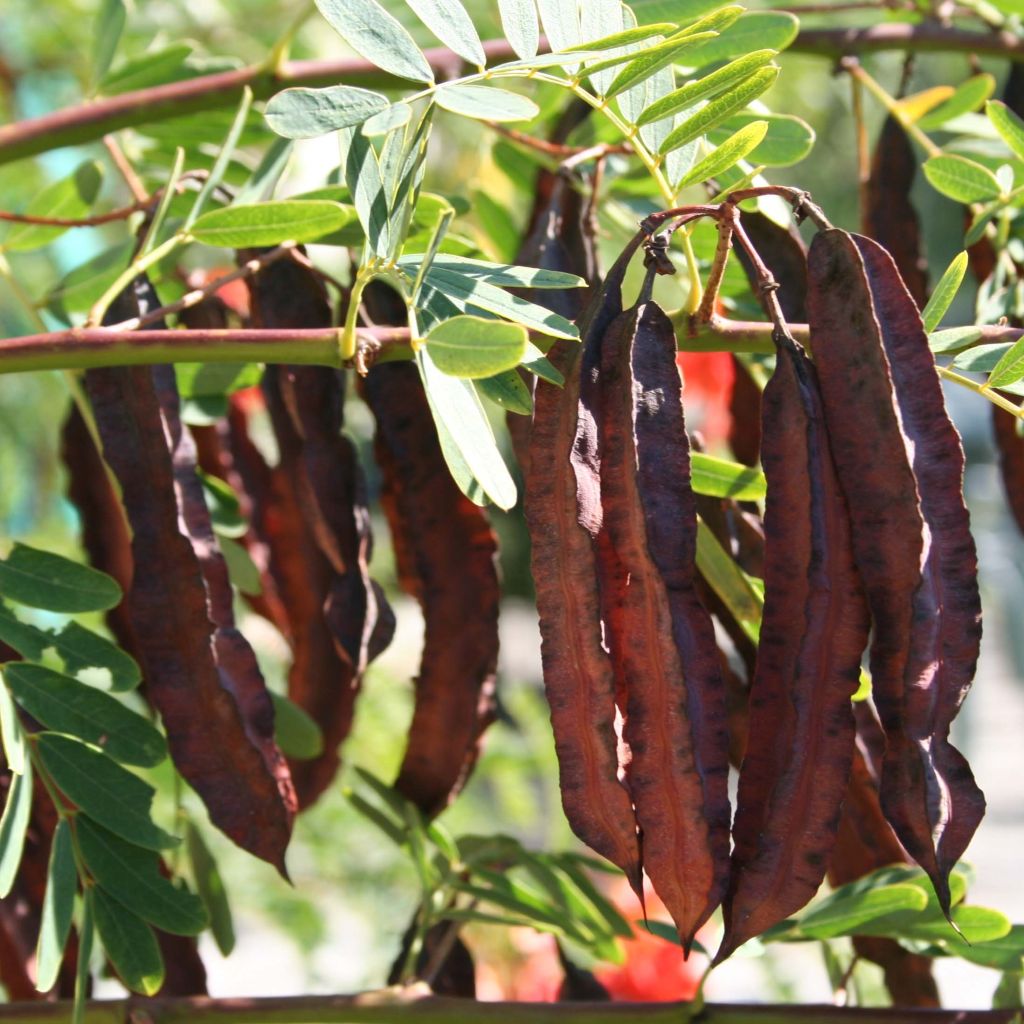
<point x="377" y="36"/>
<point x="729" y="153"/>
<point x="720" y="478"/>
<point x="519" y="22"/>
<point x="306" y="113"/>
<point x="1008" y="124"/>
<point x="448" y="20"/>
<point x="13" y="825"/>
<point x="485" y="102"/>
<point x="472" y="347"/>
<point x="944" y="293"/>
<point x="968" y="96"/>
<point x="507" y="390"/>
<point x="270" y="223"/>
<point x="961" y="179"/>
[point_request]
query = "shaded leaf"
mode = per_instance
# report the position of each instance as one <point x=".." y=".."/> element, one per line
<point x="69" y="198"/>
<point x="519" y="22"/>
<point x="296" y="732"/>
<point x="42" y="579"/>
<point x="13" y="824"/>
<point x="65" y="705"/>
<point x="102" y="789"/>
<point x="944" y="293"/>
<point x="58" y="906"/>
<point x="1008" y="124"/>
<point x="507" y="390"/>
<point x="723" y="479"/>
<point x="129" y="943"/>
<point x="210" y="887"/>
<point x="132" y="876"/>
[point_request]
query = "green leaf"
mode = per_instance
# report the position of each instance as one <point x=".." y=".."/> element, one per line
<point x="961" y="179"/>
<point x="465" y="435"/>
<point x="679" y="12"/>
<point x="363" y="177"/>
<point x="1008" y="994"/>
<point x="945" y="292"/>
<point x="267" y="174"/>
<point x="153" y="68"/>
<point x="296" y="732"/>
<point x="561" y="23"/>
<point x="728" y="154"/>
<point x="653" y="59"/>
<point x="720" y="478"/>
<point x="217" y="171"/>
<point x="13" y="826"/>
<point x="844" y="913"/>
<point x="788" y="140"/>
<point x="982" y="358"/>
<point x="472" y="347"/>
<point x="507" y="390"/>
<point x="627" y="37"/>
<point x="11" y="733"/>
<point x="224" y="506"/>
<point x="448" y="20"/>
<point x="42" y="579"/>
<point x="68" y="706"/>
<point x="58" y="906"/>
<point x="756" y="30"/>
<point x="83" y="285"/>
<point x="464" y="291"/>
<point x="720" y="108"/>
<point x="731" y="584"/>
<point x="130" y="945"/>
<point x="388" y="120"/>
<point x="980" y="221"/>
<point x="536" y="362"/>
<point x="976" y="924"/>
<point x="70" y="198"/>
<point x="270" y="223"/>
<point x="210" y="886"/>
<point x="102" y="789"/>
<point x="485" y="102"/>
<point x="1005" y="953"/>
<point x="668" y="932"/>
<point x="132" y="876"/>
<point x="710" y="85"/>
<point x="1010" y="368"/>
<point x="80" y="648"/>
<point x="953" y="339"/>
<point x="504" y="275"/>
<point x="106" y="35"/>
<point x="968" y="96"/>
<point x="520" y="25"/>
<point x="83" y="974"/>
<point x="242" y="570"/>
<point x="1008" y="124"/>
<point x="377" y="36"/>
<point x="306" y="113"/>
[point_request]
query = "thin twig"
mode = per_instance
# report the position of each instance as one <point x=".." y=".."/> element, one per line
<point x="725" y="228"/>
<point x="863" y="150"/>
<point x="132" y="180"/>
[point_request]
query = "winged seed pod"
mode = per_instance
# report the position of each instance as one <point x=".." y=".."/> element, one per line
<point x="900" y="464"/>
<point x="814" y="629"/>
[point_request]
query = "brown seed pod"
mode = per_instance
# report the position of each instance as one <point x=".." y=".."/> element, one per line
<point x="889" y="216"/>
<point x="446" y="551"/>
<point x="814" y="630"/>
<point x="900" y="464"/>
<point x="200" y="674"/>
<point x="578" y="675"/>
<point x="1010" y="446"/>
<point x="631" y="454"/>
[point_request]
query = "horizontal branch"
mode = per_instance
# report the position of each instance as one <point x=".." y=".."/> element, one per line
<point x="416" y="1006"/>
<point x="86" y="348"/>
<point x="91" y="121"/>
<point x="83" y="348"/>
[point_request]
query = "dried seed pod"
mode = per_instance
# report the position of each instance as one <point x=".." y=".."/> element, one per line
<point x="889" y="216"/>
<point x="1010" y="446"/>
<point x="661" y="638"/>
<point x="814" y="630"/>
<point x="200" y="674"/>
<point x="578" y="674"/>
<point x="319" y="480"/>
<point x="446" y="551"/>
<point x="783" y="250"/>
<point x="900" y="464"/>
